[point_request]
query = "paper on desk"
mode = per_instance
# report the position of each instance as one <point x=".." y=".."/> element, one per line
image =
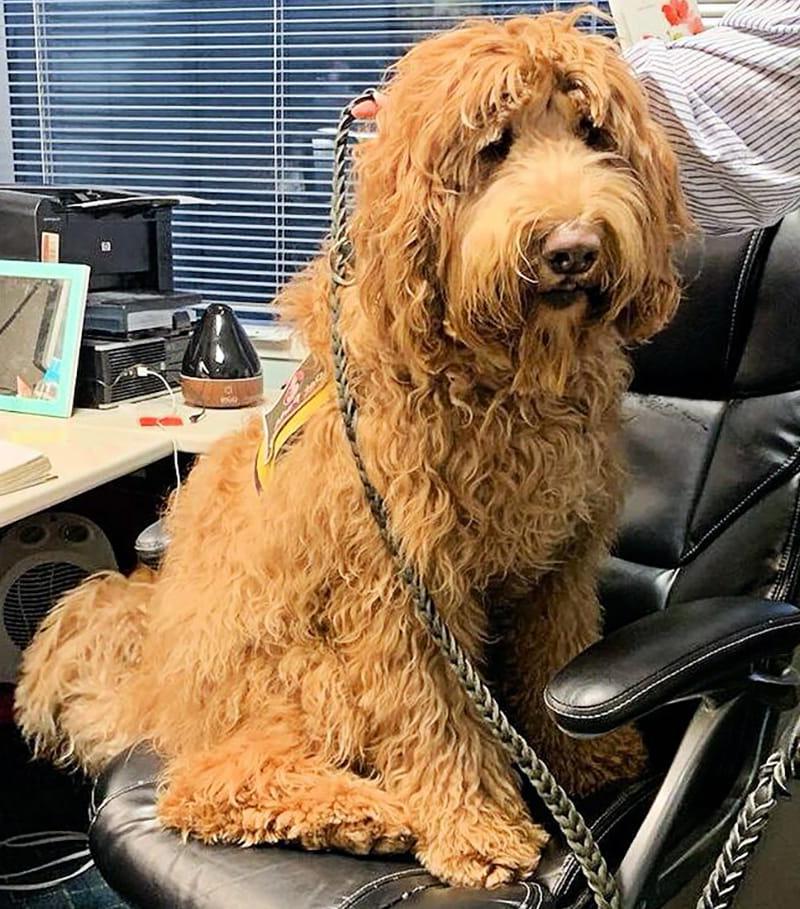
<point x="21" y="466"/>
<point x="267" y="331"/>
<point x="134" y="199"/>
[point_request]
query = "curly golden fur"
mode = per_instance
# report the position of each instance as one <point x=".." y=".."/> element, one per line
<point x="274" y="660"/>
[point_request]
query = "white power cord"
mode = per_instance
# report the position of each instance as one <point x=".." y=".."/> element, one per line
<point x="176" y="465"/>
<point x="40" y="838"/>
<point x="140" y="370"/>
<point x="59" y="861"/>
<point x="45" y="838"/>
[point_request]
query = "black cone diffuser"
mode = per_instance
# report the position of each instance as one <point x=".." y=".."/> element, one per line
<point x="221" y="367"/>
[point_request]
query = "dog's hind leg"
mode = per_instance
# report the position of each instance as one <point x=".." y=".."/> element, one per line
<point x="264" y="785"/>
<point x="68" y="696"/>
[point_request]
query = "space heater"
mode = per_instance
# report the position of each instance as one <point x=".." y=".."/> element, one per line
<point x="41" y="559"/>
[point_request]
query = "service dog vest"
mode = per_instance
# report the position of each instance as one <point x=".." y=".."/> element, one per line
<point x="302" y="396"/>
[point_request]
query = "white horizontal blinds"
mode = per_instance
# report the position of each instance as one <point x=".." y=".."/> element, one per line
<point x="231" y="100"/>
<point x="713" y="10"/>
<point x="159" y="95"/>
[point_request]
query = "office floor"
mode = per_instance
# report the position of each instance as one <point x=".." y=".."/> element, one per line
<point x="34" y="797"/>
<point x="89" y="891"/>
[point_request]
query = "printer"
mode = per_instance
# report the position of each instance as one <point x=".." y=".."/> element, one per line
<point x="133" y="314"/>
<point x="126" y="238"/>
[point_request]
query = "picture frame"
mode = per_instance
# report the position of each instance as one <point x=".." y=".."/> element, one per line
<point x="42" y="308"/>
<point x="669" y="20"/>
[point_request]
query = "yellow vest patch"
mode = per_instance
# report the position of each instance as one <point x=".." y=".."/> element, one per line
<point x="303" y="395"/>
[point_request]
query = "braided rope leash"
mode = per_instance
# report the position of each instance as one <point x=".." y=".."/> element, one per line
<point x="729" y="870"/>
<point x="578" y="836"/>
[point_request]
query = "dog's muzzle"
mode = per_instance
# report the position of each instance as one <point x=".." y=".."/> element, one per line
<point x="572" y="250"/>
<point x="569" y="259"/>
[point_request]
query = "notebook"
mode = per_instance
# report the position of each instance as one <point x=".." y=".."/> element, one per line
<point x="668" y="19"/>
<point x="21" y="466"/>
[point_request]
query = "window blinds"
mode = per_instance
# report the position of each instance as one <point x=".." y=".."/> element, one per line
<point x="233" y="101"/>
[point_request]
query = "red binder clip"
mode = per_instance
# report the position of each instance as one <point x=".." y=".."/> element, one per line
<point x="173" y="420"/>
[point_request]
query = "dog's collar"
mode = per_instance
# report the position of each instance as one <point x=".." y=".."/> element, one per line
<point x="302" y="396"/>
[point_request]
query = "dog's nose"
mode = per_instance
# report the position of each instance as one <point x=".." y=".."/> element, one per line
<point x="572" y="249"/>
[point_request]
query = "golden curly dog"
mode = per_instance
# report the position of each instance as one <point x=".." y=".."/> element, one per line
<point x="513" y="228"/>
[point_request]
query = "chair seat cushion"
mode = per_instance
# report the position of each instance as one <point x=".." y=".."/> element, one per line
<point x="153" y="868"/>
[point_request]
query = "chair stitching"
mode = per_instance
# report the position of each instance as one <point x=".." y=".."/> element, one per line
<point x="529" y="892"/>
<point x="740" y="506"/>
<point x="139" y="784"/>
<point x="744" y="273"/>
<point x="702" y="655"/>
<point x="610" y="810"/>
<point x="371" y="886"/>
<point x="94" y="807"/>
<point x="407" y="893"/>
<point x="786" y="553"/>
<point x="707" y="462"/>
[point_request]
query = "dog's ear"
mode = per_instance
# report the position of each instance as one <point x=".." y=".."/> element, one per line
<point x="651" y="308"/>
<point x="643" y="144"/>
<point x="412" y="178"/>
<point x="403" y="217"/>
<point x="667" y="227"/>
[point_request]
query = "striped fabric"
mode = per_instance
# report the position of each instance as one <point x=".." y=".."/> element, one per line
<point x="729" y="98"/>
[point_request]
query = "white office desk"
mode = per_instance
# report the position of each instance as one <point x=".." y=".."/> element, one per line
<point x="194" y="438"/>
<point x="95" y="446"/>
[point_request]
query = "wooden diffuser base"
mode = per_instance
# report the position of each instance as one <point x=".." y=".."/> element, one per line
<point x="222" y="393"/>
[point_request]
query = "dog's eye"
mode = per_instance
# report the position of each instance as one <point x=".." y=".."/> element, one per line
<point x="594" y="136"/>
<point x="496" y="152"/>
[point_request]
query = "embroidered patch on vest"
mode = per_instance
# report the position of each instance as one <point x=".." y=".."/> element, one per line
<point x="303" y="395"/>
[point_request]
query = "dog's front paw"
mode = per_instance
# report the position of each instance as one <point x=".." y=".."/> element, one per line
<point x="496" y="854"/>
<point x="350" y="821"/>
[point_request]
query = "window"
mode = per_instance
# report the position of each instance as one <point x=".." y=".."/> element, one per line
<point x="233" y="101"/>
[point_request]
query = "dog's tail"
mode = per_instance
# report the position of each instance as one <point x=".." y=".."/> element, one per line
<point x="69" y="697"/>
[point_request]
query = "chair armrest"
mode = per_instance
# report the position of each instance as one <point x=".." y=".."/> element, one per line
<point x="687" y="650"/>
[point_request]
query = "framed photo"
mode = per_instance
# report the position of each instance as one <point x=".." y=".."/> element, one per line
<point x="667" y="19"/>
<point x="41" y="321"/>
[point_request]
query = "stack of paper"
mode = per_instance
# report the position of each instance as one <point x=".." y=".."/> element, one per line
<point x="21" y="466"/>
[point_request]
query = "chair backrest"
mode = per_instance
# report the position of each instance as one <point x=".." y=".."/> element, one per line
<point x="713" y="435"/>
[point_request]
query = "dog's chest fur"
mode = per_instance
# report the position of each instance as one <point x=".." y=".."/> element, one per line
<point x="521" y="495"/>
<point x="508" y="490"/>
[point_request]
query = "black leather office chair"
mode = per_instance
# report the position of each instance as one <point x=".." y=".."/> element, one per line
<point x="697" y="597"/>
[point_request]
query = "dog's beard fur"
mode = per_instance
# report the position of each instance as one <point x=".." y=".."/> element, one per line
<point x="537" y="352"/>
<point x="547" y="349"/>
